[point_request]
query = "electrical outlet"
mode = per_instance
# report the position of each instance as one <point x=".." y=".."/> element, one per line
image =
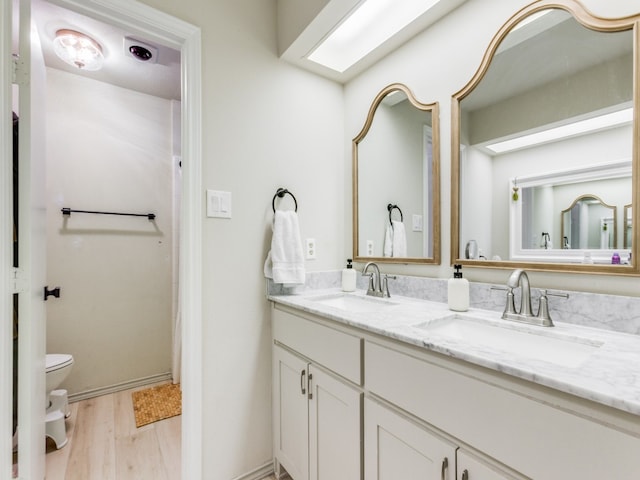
<point x="310" y="249"/>
<point x="369" y="248"/>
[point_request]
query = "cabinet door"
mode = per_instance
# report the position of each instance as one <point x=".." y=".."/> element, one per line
<point x="471" y="467"/>
<point x="335" y="426"/>
<point x="395" y="447"/>
<point x="290" y="413"/>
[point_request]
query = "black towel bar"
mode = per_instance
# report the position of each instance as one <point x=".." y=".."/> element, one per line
<point x="390" y="207"/>
<point x="280" y="193"/>
<point x="69" y="211"/>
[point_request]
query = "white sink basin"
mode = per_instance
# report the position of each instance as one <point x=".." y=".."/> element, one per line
<point x="353" y="303"/>
<point x="539" y="343"/>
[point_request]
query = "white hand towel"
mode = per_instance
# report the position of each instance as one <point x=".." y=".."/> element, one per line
<point x="399" y="240"/>
<point x="285" y="261"/>
<point x="388" y="241"/>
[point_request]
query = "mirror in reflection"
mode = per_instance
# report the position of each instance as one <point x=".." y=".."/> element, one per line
<point x="552" y="97"/>
<point x="588" y="223"/>
<point x="627" y="226"/>
<point x="396" y="199"/>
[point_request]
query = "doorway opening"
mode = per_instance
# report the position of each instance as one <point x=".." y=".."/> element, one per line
<point x="154" y="26"/>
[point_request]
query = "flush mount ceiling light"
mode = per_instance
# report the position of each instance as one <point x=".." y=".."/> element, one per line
<point x="582" y="127"/>
<point x="369" y="26"/>
<point x="78" y="49"/>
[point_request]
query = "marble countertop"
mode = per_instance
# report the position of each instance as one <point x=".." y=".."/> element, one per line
<point x="608" y="374"/>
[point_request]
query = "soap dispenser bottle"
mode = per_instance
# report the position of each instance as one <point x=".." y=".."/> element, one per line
<point x="348" y="277"/>
<point x="458" y="291"/>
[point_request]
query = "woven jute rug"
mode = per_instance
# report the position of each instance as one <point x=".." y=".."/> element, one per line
<point x="156" y="403"/>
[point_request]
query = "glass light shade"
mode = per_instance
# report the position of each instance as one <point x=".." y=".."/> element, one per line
<point x="78" y="49"/>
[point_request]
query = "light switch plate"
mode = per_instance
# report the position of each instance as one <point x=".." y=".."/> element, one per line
<point x="417" y="223"/>
<point x="218" y="204"/>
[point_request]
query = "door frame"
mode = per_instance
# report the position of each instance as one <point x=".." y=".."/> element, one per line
<point x="172" y="32"/>
<point x="6" y="246"/>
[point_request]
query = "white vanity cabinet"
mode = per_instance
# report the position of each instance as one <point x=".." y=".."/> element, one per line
<point x="533" y="432"/>
<point x="351" y="404"/>
<point x="397" y="448"/>
<point x="317" y="415"/>
<point x="291" y="412"/>
<point x="471" y="467"/>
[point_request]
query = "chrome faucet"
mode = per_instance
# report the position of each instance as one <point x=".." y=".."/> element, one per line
<point x="378" y="283"/>
<point x="374" y="279"/>
<point x="375" y="288"/>
<point x="519" y="278"/>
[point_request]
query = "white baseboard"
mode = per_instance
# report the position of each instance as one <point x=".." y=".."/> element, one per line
<point x="139" y="382"/>
<point x="257" y="474"/>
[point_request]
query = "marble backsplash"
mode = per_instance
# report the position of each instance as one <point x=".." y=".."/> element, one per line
<point x="609" y="312"/>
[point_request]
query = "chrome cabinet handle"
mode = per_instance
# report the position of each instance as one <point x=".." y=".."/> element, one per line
<point x="302" y="382"/>
<point x="465" y="475"/>
<point x="445" y="465"/>
<point x="309" y="386"/>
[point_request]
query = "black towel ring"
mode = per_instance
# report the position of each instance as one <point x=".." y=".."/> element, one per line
<point x="280" y="193"/>
<point x="390" y="207"/>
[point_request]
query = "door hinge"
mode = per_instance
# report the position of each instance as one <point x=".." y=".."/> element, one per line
<point x="18" y="281"/>
<point x="20" y="73"/>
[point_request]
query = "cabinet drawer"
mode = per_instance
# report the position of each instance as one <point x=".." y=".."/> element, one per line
<point x="337" y="351"/>
<point x="529" y="436"/>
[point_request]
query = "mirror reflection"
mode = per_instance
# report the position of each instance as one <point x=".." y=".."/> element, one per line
<point x="588" y="223"/>
<point x="540" y="230"/>
<point x="396" y="200"/>
<point x="554" y="97"/>
<point x="627" y="226"/>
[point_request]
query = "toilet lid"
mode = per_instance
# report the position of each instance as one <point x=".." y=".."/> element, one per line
<point x="55" y="361"/>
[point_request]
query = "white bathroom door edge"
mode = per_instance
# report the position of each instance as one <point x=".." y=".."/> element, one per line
<point x="32" y="248"/>
<point x="6" y="235"/>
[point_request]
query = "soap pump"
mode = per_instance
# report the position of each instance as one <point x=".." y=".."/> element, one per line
<point x="348" y="277"/>
<point x="458" y="291"/>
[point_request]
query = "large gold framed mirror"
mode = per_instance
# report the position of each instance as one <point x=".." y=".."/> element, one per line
<point x="550" y="112"/>
<point x="396" y="180"/>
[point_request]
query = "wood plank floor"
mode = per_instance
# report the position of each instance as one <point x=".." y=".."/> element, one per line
<point x="104" y="444"/>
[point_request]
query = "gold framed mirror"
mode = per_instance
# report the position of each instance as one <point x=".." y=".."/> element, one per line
<point x="550" y="73"/>
<point x="396" y="180"/>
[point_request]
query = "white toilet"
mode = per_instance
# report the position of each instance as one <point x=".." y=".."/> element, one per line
<point x="58" y="366"/>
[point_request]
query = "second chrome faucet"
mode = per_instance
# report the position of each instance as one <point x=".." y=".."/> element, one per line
<point x="519" y="278"/>
<point x="378" y="283"/>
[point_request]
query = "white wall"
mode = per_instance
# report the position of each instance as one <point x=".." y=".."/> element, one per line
<point x="435" y="65"/>
<point x="266" y="125"/>
<point x="108" y="149"/>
